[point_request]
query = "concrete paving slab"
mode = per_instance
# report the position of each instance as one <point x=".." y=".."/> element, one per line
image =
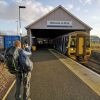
<point x="51" y="80"/>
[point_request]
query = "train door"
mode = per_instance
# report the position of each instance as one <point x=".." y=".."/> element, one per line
<point x="81" y="48"/>
<point x="63" y="42"/>
<point x="81" y="45"/>
<point x="64" y="45"/>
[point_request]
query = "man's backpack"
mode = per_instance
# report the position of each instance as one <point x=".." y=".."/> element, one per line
<point x="11" y="59"/>
<point x="25" y="63"/>
<point x="27" y="49"/>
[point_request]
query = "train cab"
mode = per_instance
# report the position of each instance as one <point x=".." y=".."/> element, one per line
<point x="79" y="46"/>
<point x="75" y="45"/>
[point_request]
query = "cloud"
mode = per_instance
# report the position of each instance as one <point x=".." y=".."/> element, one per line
<point x="91" y="1"/>
<point x="33" y="10"/>
<point x="69" y="6"/>
<point x="95" y="19"/>
<point x="9" y="12"/>
<point x="95" y="32"/>
<point x="86" y="11"/>
<point x="98" y="1"/>
<point x="2" y="2"/>
<point x="77" y="9"/>
<point x="84" y="2"/>
<point x="3" y="6"/>
<point x="88" y="1"/>
<point x="37" y="10"/>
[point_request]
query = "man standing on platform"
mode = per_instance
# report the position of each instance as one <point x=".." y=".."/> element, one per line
<point x="21" y="67"/>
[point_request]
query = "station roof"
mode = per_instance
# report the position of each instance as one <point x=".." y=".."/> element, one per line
<point x="61" y="14"/>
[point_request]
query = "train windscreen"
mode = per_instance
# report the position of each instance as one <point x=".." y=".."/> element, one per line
<point x="88" y="41"/>
<point x="73" y="42"/>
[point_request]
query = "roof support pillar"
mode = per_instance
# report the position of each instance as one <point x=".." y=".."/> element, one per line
<point x="29" y="37"/>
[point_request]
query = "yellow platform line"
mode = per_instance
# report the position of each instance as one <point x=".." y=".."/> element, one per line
<point x="8" y="91"/>
<point x="89" y="77"/>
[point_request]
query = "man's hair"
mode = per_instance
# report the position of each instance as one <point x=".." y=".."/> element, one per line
<point x="17" y="43"/>
<point x="23" y="46"/>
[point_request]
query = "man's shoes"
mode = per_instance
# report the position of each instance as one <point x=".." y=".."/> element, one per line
<point x="29" y="98"/>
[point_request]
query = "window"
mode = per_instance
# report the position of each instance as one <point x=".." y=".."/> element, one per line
<point x="66" y="39"/>
<point x="87" y="42"/>
<point x="73" y="42"/>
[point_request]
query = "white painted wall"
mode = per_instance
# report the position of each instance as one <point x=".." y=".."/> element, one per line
<point x="58" y="15"/>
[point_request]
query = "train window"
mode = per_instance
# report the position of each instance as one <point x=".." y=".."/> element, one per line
<point x="73" y="42"/>
<point x="66" y="41"/>
<point x="87" y="42"/>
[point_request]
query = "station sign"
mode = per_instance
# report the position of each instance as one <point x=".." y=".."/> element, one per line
<point x="59" y="23"/>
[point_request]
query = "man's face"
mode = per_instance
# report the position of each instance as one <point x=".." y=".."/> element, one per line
<point x="20" y="45"/>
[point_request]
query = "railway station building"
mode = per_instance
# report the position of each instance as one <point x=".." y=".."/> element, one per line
<point x="57" y="22"/>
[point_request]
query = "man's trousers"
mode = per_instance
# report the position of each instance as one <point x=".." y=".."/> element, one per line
<point x="23" y="86"/>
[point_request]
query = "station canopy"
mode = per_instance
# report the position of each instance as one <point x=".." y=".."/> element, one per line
<point x="57" y="22"/>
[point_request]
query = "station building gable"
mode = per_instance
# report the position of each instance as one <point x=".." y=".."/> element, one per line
<point x="59" y="18"/>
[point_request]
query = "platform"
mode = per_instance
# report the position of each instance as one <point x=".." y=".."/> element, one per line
<point x="53" y="78"/>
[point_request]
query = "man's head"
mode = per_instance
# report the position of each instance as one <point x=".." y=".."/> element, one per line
<point x="17" y="44"/>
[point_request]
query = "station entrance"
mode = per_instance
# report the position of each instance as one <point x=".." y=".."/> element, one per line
<point x="42" y="37"/>
<point x="57" y="22"/>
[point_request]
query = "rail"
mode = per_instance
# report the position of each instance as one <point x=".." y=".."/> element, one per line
<point x="94" y="62"/>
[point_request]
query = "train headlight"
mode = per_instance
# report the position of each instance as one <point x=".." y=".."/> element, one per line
<point x="72" y="49"/>
<point x="88" y="53"/>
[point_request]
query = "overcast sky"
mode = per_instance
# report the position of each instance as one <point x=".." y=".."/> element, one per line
<point x="86" y="10"/>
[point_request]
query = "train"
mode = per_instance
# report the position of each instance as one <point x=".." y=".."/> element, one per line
<point x="75" y="45"/>
<point x="7" y="40"/>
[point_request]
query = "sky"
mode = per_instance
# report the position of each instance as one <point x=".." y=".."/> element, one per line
<point x="86" y="10"/>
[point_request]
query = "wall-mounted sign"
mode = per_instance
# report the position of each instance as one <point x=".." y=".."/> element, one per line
<point x="59" y="23"/>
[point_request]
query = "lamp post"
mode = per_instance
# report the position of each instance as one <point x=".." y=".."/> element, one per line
<point x="20" y="21"/>
<point x="17" y="26"/>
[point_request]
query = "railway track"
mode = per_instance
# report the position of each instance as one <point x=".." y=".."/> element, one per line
<point x="93" y="65"/>
<point x="94" y="62"/>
